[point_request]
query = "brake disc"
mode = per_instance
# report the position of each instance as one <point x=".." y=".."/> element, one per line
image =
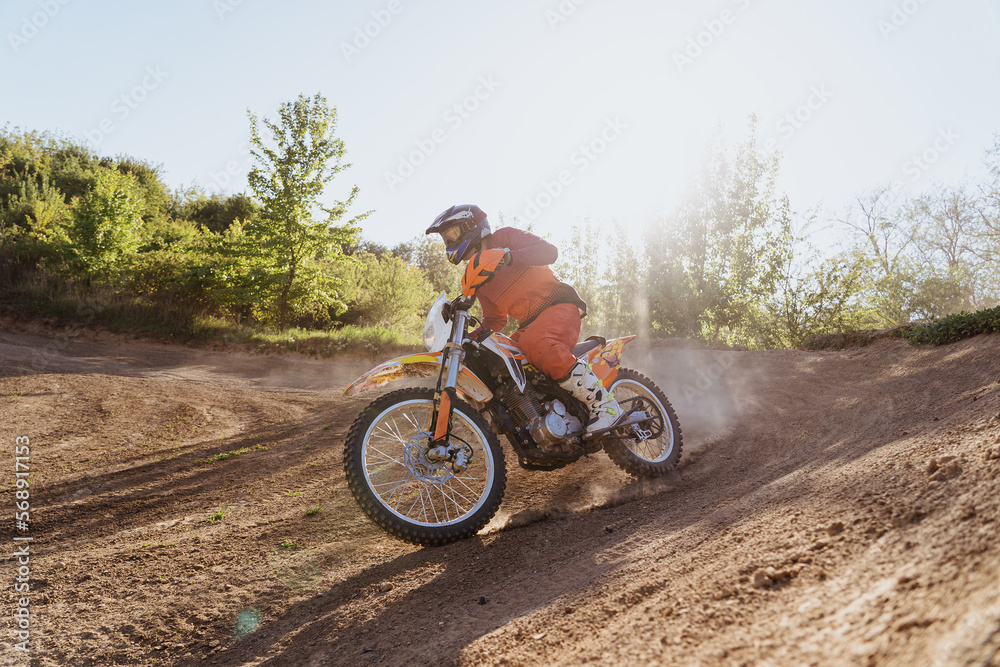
<point x="422" y="468"/>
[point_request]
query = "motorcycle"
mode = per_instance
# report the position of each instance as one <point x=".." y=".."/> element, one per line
<point x="426" y="464"/>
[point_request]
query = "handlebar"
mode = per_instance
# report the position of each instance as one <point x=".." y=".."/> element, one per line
<point x="461" y="303"/>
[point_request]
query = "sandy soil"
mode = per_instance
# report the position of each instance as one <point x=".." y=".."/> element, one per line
<point x="833" y="508"/>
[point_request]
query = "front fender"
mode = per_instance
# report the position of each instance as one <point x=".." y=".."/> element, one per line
<point x="424" y="364"/>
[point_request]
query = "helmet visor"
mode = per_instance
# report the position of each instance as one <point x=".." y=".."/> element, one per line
<point x="452" y="235"/>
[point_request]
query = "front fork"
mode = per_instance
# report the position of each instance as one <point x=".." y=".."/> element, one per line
<point x="440" y="447"/>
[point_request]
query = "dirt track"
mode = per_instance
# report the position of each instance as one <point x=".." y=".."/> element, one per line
<point x="825" y="478"/>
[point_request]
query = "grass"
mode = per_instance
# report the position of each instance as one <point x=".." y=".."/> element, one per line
<point x="287" y="544"/>
<point x="233" y="453"/>
<point x="63" y="303"/>
<point x="38" y="296"/>
<point x="313" y="510"/>
<point x="218" y="515"/>
<point x="856" y="338"/>
<point x="953" y="328"/>
<point x="346" y="339"/>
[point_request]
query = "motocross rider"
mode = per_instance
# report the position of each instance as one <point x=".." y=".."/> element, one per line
<point x="548" y="310"/>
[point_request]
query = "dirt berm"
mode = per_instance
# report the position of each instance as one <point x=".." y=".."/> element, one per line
<point x="832" y="508"/>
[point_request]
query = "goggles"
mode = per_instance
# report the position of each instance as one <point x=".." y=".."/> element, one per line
<point x="451" y="235"/>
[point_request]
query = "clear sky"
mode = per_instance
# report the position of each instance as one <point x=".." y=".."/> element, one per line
<point x="580" y="107"/>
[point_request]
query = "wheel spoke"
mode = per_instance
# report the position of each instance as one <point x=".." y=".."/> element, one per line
<point x="415" y="501"/>
<point x="397" y="482"/>
<point x="392" y="432"/>
<point x="396" y="430"/>
<point x="444" y="502"/>
<point x="411" y="418"/>
<point x="402" y="494"/>
<point x="387" y="457"/>
<point x="430" y="501"/>
<point x="471" y="490"/>
<point x="455" y="492"/>
<point x="458" y="506"/>
<point x="400" y="486"/>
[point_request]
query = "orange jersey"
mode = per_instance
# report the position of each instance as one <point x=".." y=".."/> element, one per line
<point x="527" y="286"/>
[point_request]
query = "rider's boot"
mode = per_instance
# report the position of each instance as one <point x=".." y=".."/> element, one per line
<point x="586" y="387"/>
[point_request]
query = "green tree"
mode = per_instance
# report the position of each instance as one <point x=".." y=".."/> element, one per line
<point x="294" y="163"/>
<point x="579" y="265"/>
<point x="884" y="240"/>
<point x="954" y="275"/>
<point x="212" y="212"/>
<point x="386" y="292"/>
<point x="608" y="270"/>
<point x="624" y="302"/>
<point x="716" y="261"/>
<point x="817" y="296"/>
<point x="930" y="254"/>
<point x="36" y="213"/>
<point x="107" y="225"/>
<point x="427" y="253"/>
<point x="987" y="240"/>
<point x="149" y="184"/>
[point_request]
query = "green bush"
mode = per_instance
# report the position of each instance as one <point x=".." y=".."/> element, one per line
<point x="214" y="213"/>
<point x="954" y="328"/>
<point x="107" y="224"/>
<point x="386" y="292"/>
<point x="34" y="223"/>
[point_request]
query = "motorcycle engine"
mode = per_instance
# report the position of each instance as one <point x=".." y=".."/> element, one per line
<point x="549" y="427"/>
<point x="555" y="426"/>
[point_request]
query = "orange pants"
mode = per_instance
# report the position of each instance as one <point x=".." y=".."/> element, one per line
<point x="547" y="341"/>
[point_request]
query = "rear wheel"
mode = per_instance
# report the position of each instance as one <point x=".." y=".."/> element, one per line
<point x="651" y="448"/>
<point x="409" y="496"/>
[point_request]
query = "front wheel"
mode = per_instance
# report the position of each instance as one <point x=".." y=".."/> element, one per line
<point x="651" y="448"/>
<point x="409" y="496"/>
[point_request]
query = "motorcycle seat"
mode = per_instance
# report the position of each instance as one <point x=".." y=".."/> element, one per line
<point x="586" y="346"/>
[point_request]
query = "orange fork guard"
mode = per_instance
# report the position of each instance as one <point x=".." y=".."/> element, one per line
<point x="443" y="417"/>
